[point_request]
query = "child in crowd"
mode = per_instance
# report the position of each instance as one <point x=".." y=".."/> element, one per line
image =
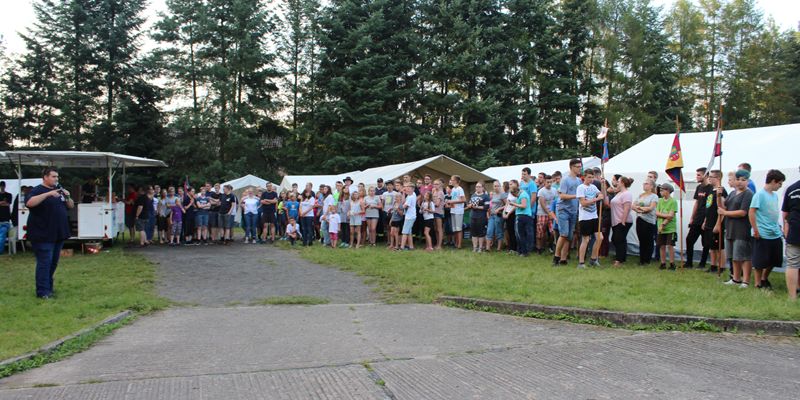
<point x="356" y="214"/>
<point x="588" y="196"/>
<point x="667" y="232"/>
<point x="292" y="232"/>
<point x="333" y="225"/>
<point x="428" y="209"/>
<point x="176" y="210"/>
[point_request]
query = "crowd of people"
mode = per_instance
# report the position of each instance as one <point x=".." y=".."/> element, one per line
<point x="739" y="230"/>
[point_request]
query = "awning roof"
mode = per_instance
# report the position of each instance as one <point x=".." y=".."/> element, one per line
<point x="439" y="166"/>
<point x="77" y="159"/>
<point x="509" y="172"/>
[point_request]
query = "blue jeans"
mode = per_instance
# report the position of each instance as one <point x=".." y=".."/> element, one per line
<point x="250" y="226"/>
<point x="307" y="230"/>
<point x="47" y="254"/>
<point x="525" y="230"/>
<point x="495" y="231"/>
<point x="4" y="228"/>
<point x="323" y="230"/>
<point x="151" y="226"/>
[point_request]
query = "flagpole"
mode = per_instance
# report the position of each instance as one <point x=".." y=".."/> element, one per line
<point x="602" y="181"/>
<point x="680" y="189"/>
<point x="719" y="195"/>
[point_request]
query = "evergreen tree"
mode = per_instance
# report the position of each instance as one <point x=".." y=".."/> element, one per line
<point x="684" y="27"/>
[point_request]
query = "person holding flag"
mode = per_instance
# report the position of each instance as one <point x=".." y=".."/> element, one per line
<point x="674" y="170"/>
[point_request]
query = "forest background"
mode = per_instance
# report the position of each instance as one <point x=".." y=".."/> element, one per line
<point x="231" y="87"/>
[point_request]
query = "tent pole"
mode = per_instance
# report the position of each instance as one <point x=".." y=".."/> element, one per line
<point x="719" y="198"/>
<point x="682" y="252"/>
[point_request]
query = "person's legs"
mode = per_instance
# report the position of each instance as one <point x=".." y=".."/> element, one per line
<point x="4" y="228"/>
<point x="439" y="232"/>
<point x="428" y="243"/>
<point x="582" y="250"/>
<point x="323" y="230"/>
<point x="345" y="228"/>
<point x="373" y="230"/>
<point x="44" y="257"/>
<point x="691" y="240"/>
<point x="523" y="240"/>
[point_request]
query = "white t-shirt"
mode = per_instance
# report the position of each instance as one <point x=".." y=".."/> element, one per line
<point x="292" y="229"/>
<point x="509" y="208"/>
<point x="251" y="205"/>
<point x="589" y="192"/>
<point x="411" y="207"/>
<point x="388" y="199"/>
<point x="333" y="223"/>
<point x="427" y="215"/>
<point x="456" y="194"/>
<point x="307" y="205"/>
<point x="548" y="195"/>
<point x="329" y="201"/>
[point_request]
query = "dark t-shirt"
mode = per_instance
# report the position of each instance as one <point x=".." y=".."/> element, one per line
<point x="226" y="201"/>
<point x="738" y="228"/>
<point x="190" y="211"/>
<point x="216" y="196"/>
<point x="47" y="222"/>
<point x="268" y="208"/>
<point x="147" y="206"/>
<point x="710" y="206"/>
<point x="479" y="203"/>
<point x="5" y="211"/>
<point x="791" y="205"/>
<point x="700" y="195"/>
<point x="89" y="192"/>
<point x="380" y="191"/>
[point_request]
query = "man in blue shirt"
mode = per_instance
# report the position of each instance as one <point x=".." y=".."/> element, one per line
<point x="528" y="185"/>
<point x="48" y="227"/>
<point x="567" y="211"/>
<point x="764" y="214"/>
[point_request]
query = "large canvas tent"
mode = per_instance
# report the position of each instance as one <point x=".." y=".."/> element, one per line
<point x="510" y="172"/>
<point x="439" y="166"/>
<point x="766" y="148"/>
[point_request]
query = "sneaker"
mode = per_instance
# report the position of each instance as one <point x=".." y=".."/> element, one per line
<point x="662" y="266"/>
<point x="712" y="269"/>
<point x="555" y="261"/>
<point x="732" y="282"/>
<point x="766" y="285"/>
<point x="581" y="266"/>
<point x="594" y="263"/>
<point x="743" y="285"/>
<point x="562" y="262"/>
<point x="672" y="266"/>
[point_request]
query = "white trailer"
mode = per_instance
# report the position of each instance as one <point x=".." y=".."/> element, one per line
<point x="101" y="220"/>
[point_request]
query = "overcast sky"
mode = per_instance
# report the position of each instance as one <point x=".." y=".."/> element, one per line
<point x="17" y="15"/>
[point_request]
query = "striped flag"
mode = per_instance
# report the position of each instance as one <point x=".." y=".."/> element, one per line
<point x="605" y="151"/>
<point x="717" y="147"/>
<point x="675" y="162"/>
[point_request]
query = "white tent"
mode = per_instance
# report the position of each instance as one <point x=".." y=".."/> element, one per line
<point x="315" y="180"/>
<point x="248" y="181"/>
<point x="766" y="148"/>
<point x="510" y="172"/>
<point x="439" y="166"/>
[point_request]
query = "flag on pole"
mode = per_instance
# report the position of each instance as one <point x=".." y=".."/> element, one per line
<point x="605" y="151"/>
<point x="675" y="162"/>
<point x="603" y="133"/>
<point x="186" y="184"/>
<point x="717" y="147"/>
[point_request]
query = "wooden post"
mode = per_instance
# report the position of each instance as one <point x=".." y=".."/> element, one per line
<point x="719" y="198"/>
<point x="602" y="181"/>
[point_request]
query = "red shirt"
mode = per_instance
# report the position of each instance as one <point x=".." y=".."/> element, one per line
<point x="132" y="199"/>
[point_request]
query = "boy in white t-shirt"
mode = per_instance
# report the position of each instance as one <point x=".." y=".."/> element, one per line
<point x="334" y="220"/>
<point x="292" y="231"/>
<point x="410" y="210"/>
<point x="588" y="196"/>
<point x="456" y="204"/>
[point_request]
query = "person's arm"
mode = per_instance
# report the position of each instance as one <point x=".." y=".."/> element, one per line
<point x="39" y="198"/>
<point x="626" y="210"/>
<point x="68" y="198"/>
<point x="139" y="210"/>
<point x="785" y="224"/>
<point x="522" y="204"/>
<point x="751" y="215"/>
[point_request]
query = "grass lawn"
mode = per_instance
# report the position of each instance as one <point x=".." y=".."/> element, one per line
<point x="422" y="276"/>
<point x="89" y="288"/>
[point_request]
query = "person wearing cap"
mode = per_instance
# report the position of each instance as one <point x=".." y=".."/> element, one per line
<point x="791" y="231"/>
<point x="738" y="242"/>
<point x="666" y="210"/>
<point x="348" y="182"/>
<point x="5" y="215"/>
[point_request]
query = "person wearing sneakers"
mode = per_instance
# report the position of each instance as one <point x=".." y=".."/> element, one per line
<point x="410" y="212"/>
<point x="332" y="217"/>
<point x="588" y="196"/>
<point x="767" y="235"/>
<point x="738" y="242"/>
<point x="791" y="231"/>
<point x="666" y="210"/>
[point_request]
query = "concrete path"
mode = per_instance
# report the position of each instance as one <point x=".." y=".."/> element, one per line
<point x="381" y="351"/>
<point x="218" y="275"/>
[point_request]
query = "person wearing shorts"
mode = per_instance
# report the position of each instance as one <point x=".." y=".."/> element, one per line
<point x="544" y="228"/>
<point x="567" y="211"/>
<point x="213" y="212"/>
<point x="410" y="211"/>
<point x="333" y="220"/>
<point x="227" y="213"/>
<point x="269" y="202"/>
<point x="738" y="245"/>
<point x="588" y="196"/>
<point x="767" y="235"/>
<point x="712" y="224"/>
<point x="144" y="207"/>
<point x="791" y="231"/>
<point x="478" y="206"/>
<point x="203" y="204"/>
<point x="666" y="210"/>
<point x="456" y="204"/>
